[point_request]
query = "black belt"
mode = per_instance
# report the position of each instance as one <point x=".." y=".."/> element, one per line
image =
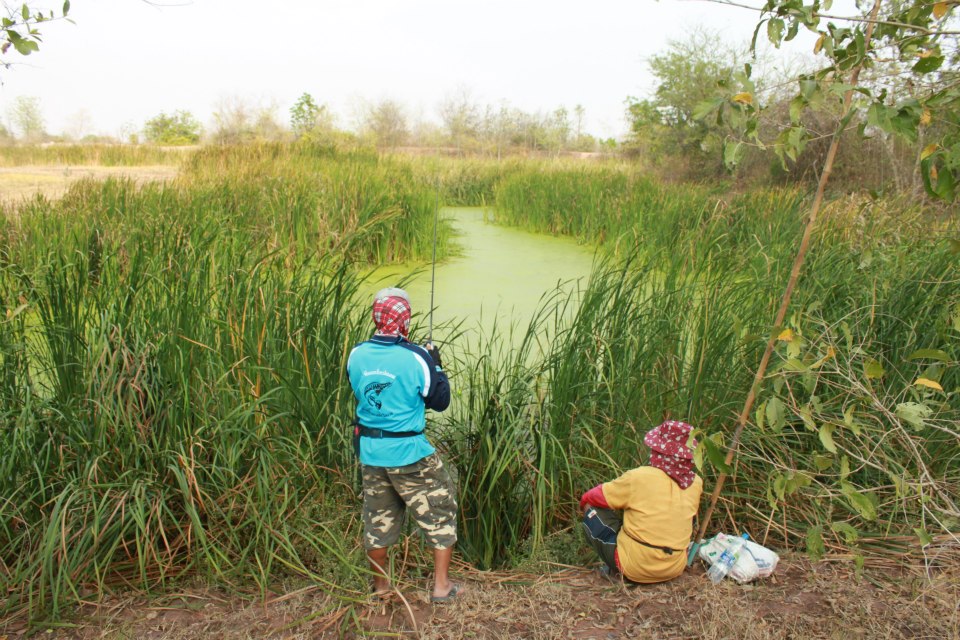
<point x="667" y="550"/>
<point x="367" y="432"/>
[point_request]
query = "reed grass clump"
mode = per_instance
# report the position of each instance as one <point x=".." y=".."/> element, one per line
<point x="676" y="329"/>
<point x="171" y="412"/>
<point x="173" y="394"/>
<point x="108" y="155"/>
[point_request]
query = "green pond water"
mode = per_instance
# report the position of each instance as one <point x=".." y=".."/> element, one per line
<point x="496" y="279"/>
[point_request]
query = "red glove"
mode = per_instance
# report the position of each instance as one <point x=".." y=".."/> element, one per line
<point x="594" y="498"/>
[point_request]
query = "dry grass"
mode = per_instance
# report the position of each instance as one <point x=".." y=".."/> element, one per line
<point x="18" y="183"/>
<point x="803" y="600"/>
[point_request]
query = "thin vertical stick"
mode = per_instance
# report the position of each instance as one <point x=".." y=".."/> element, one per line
<point x="433" y="269"/>
<point x="791" y="283"/>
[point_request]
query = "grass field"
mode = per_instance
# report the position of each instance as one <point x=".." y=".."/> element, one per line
<point x="176" y="411"/>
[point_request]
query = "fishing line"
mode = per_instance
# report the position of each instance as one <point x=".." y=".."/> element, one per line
<point x="433" y="269"/>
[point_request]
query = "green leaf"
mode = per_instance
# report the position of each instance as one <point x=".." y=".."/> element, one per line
<point x="850" y="422"/>
<point x="793" y="30"/>
<point x="930" y="354"/>
<point x="925" y="538"/>
<point x="865" y="503"/>
<point x="715" y="455"/>
<point x="776" y="414"/>
<point x="66" y="7"/>
<point x="822" y="462"/>
<point x="808" y="87"/>
<point x="873" y="369"/>
<point x="732" y="153"/>
<point x="796" y="109"/>
<point x="797" y="481"/>
<point x="25" y="12"/>
<point x="914" y="414"/>
<point x="850" y="534"/>
<point x="795" y="365"/>
<point x="780" y="486"/>
<point x="878" y="115"/>
<point x="826" y="437"/>
<point x="861" y="45"/>
<point x="815" y="543"/>
<point x="756" y="32"/>
<point x="899" y="484"/>
<point x="775" y="31"/>
<point x="705" y="108"/>
<point x="25" y="47"/>
<point x="806" y="414"/>
<point x="928" y="65"/>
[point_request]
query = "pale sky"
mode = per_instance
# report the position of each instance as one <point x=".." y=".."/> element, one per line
<point x="124" y="61"/>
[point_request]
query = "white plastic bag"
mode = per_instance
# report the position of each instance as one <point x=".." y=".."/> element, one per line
<point x="755" y="561"/>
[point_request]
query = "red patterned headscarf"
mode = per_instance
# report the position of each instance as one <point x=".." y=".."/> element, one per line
<point x="670" y="451"/>
<point x="391" y="312"/>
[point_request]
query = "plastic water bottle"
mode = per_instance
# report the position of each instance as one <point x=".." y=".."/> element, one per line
<point x="722" y="565"/>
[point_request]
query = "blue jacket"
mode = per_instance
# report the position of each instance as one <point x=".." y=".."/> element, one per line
<point x="394" y="382"/>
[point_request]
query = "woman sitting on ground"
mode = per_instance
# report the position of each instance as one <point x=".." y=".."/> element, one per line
<point x="641" y="523"/>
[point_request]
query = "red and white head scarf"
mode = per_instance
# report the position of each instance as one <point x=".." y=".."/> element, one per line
<point x="391" y="312"/>
<point x="671" y="451"/>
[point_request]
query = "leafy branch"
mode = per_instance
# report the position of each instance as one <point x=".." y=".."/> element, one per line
<point x="18" y="30"/>
<point x="909" y="40"/>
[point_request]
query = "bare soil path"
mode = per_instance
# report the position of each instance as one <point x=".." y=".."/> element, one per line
<point x="803" y="600"/>
<point x="17" y="183"/>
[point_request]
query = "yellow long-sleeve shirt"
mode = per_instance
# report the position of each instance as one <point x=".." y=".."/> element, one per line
<point x="658" y="512"/>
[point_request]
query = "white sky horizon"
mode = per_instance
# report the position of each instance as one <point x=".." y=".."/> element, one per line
<point x="122" y="62"/>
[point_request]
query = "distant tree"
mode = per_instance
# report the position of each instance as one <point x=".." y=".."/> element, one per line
<point x="237" y="121"/>
<point x="267" y="125"/>
<point x="26" y="117"/>
<point x="6" y="138"/>
<point x="18" y="29"/>
<point x="689" y="73"/>
<point x="78" y="125"/>
<point x="177" y="128"/>
<point x="461" y="118"/>
<point x="386" y="122"/>
<point x="497" y="127"/>
<point x="578" y="113"/>
<point x="233" y="121"/>
<point x="582" y="141"/>
<point x="310" y="120"/>
<point x="128" y="133"/>
<point x="559" y="126"/>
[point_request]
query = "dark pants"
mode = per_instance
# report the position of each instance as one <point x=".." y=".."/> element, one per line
<point x="601" y="527"/>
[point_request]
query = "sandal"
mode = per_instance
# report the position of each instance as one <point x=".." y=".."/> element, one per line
<point x="450" y="597"/>
<point x="381" y="596"/>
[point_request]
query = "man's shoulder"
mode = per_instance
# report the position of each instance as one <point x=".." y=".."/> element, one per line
<point x="416" y="350"/>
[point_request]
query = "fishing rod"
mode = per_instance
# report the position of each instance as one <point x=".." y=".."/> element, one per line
<point x="433" y="268"/>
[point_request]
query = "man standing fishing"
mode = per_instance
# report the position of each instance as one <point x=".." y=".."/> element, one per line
<point x="394" y="382"/>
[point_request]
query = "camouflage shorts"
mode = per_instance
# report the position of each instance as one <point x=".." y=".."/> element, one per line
<point x="424" y="487"/>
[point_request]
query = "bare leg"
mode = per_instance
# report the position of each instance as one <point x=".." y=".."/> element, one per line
<point x="441" y="567"/>
<point x="378" y="564"/>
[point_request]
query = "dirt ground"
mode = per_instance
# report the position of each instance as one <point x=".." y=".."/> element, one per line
<point x="17" y="183"/>
<point x="802" y="600"/>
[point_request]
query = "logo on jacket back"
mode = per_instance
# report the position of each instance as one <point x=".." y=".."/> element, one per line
<point x="372" y="393"/>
